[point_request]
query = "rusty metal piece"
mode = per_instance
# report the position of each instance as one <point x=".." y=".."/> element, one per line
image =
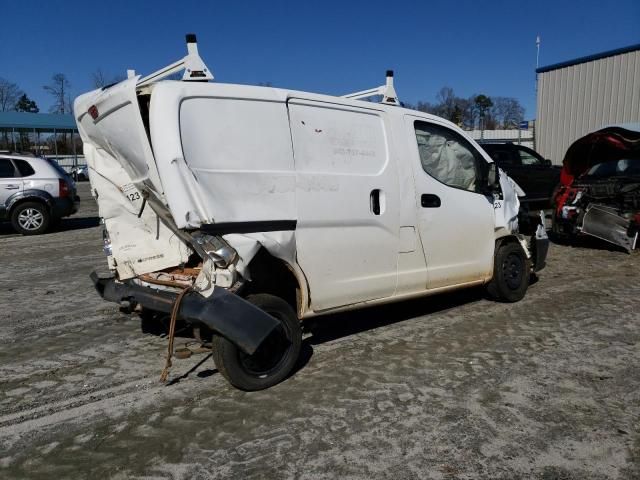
<point x="179" y="277"/>
<point x="167" y="283"/>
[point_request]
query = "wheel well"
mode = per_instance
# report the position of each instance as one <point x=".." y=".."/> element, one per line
<point x="512" y="239"/>
<point x="507" y="239"/>
<point x="30" y="200"/>
<point x="504" y="241"/>
<point x="272" y="275"/>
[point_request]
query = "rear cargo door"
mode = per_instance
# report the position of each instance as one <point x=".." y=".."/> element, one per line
<point x="347" y="202"/>
<point x="119" y="129"/>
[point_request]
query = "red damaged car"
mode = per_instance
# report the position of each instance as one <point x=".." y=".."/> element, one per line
<point x="599" y="191"/>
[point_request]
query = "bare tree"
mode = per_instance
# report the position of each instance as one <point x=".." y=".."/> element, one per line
<point x="9" y="95"/>
<point x="477" y="110"/>
<point x="59" y="89"/>
<point x="506" y="111"/>
<point x="425" y="107"/>
<point x="446" y="103"/>
<point x="467" y="113"/>
<point x="101" y="79"/>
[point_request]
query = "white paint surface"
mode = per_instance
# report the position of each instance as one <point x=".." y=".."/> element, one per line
<point x="231" y="153"/>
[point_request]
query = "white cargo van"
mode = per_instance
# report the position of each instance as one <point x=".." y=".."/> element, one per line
<point x="271" y="206"/>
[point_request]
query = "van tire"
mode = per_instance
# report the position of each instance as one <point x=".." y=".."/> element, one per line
<point x="262" y="370"/>
<point x="30" y="218"/>
<point x="511" y="273"/>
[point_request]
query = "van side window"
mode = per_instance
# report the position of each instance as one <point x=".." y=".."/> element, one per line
<point x="447" y="156"/>
<point x="6" y="168"/>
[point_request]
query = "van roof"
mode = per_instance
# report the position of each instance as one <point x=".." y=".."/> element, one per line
<point x="274" y="94"/>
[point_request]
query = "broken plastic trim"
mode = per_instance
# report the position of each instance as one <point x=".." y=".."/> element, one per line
<point x="539" y="248"/>
<point x="227" y="314"/>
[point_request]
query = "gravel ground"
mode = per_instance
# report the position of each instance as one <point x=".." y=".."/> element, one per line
<point x="454" y="386"/>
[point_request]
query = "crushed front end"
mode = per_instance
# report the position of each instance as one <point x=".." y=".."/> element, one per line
<point x="599" y="194"/>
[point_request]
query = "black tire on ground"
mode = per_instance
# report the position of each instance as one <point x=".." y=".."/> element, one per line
<point x="511" y="273"/>
<point x="275" y="358"/>
<point x="30" y="218"/>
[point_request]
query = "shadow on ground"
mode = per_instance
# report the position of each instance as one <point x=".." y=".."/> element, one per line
<point x="77" y="223"/>
<point x="339" y="325"/>
<point x="65" y="225"/>
<point x="329" y="327"/>
<point x="586" y="242"/>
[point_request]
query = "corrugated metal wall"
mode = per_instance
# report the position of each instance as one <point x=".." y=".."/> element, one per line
<point x="575" y="100"/>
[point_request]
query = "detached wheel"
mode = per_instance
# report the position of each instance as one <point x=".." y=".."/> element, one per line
<point x="30" y="218"/>
<point x="510" y="274"/>
<point x="275" y="357"/>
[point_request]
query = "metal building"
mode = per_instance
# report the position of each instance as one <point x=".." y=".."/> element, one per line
<point x="582" y="95"/>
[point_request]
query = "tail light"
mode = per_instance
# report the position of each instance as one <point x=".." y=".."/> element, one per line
<point x="65" y="190"/>
<point x="93" y="111"/>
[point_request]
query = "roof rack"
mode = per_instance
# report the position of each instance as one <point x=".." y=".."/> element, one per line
<point x="194" y="67"/>
<point x="387" y="91"/>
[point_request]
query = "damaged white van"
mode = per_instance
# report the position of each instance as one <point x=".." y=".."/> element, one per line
<point x="247" y="209"/>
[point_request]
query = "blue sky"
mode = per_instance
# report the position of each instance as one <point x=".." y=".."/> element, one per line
<point x="332" y="47"/>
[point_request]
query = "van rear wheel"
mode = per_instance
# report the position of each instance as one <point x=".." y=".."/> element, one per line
<point x="274" y="359"/>
<point x="511" y="272"/>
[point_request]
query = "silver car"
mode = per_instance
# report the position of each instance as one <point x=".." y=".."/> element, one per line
<point x="35" y="193"/>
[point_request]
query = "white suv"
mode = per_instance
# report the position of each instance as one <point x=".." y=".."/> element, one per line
<point x="35" y="193"/>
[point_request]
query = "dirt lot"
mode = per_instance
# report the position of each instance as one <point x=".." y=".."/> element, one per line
<point x="449" y="387"/>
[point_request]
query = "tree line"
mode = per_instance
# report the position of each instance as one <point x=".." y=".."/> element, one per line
<point x="478" y="111"/>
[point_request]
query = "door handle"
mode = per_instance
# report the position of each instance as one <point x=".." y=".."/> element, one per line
<point x="429" y="200"/>
<point x="374" y="201"/>
<point x="12" y="187"/>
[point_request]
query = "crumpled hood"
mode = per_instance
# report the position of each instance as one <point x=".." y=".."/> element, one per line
<point x="611" y="143"/>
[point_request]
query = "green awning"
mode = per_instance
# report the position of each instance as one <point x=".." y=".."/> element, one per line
<point x="37" y="121"/>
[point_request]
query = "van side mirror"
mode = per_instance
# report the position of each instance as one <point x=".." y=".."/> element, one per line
<point x="547" y="162"/>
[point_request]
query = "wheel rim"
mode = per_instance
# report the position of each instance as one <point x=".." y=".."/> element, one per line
<point x="271" y="353"/>
<point x="30" y="219"/>
<point x="513" y="270"/>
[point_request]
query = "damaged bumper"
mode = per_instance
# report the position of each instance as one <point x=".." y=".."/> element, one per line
<point x="225" y="313"/>
<point x="539" y="246"/>
<point x="605" y="223"/>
